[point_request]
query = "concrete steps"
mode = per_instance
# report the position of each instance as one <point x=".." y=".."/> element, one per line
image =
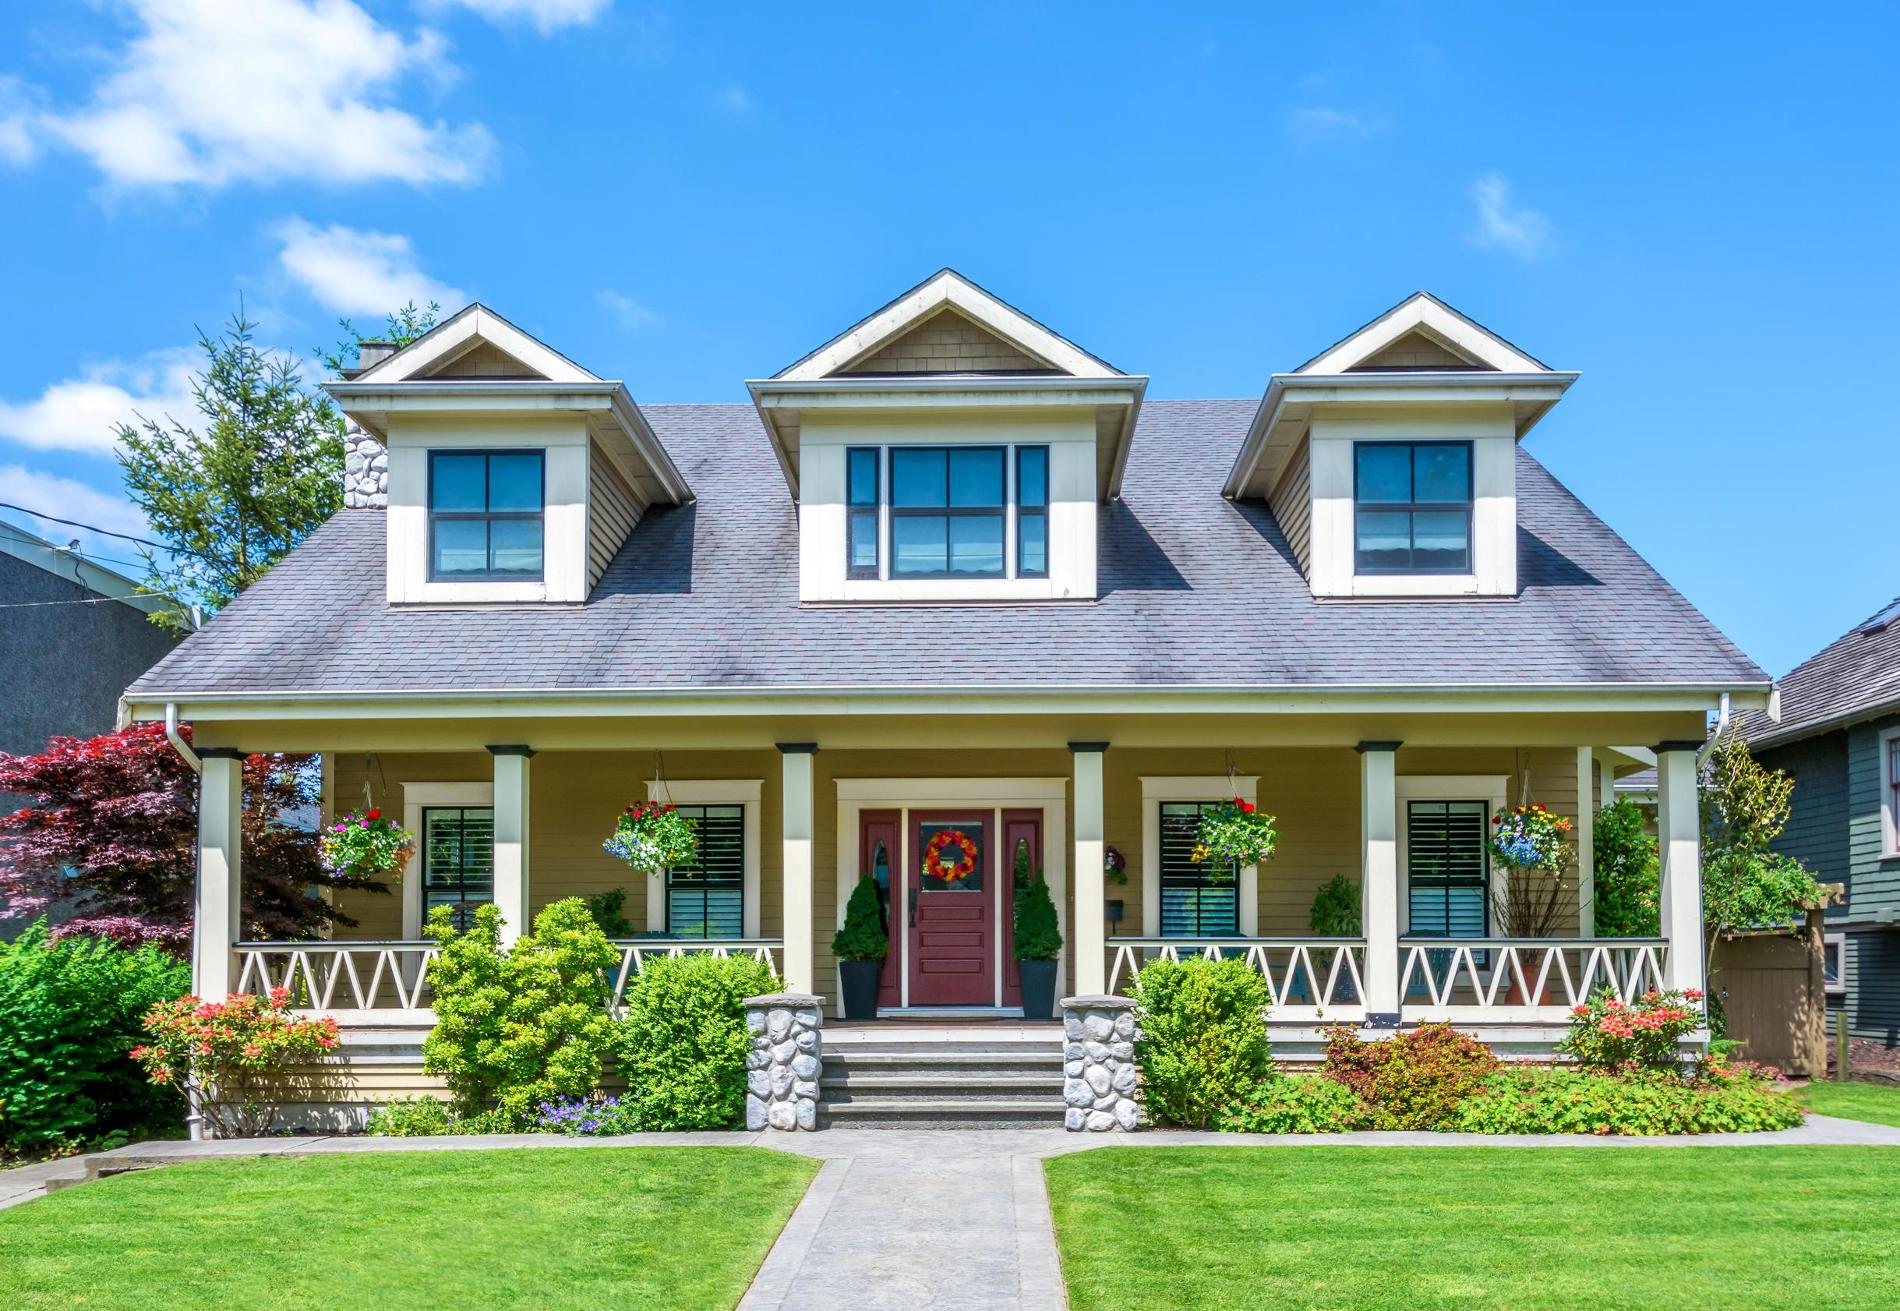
<point x="965" y="1080"/>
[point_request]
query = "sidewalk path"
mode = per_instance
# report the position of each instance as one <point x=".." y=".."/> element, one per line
<point x="873" y="1231"/>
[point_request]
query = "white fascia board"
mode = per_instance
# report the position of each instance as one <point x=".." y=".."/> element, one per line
<point x="450" y="337"/>
<point x="1424" y="311"/>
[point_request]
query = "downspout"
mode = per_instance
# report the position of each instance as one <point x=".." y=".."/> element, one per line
<point x="194" y="1122"/>
<point x="1708" y="748"/>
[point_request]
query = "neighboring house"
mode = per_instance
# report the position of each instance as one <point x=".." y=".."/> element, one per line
<point x="951" y="573"/>
<point x="72" y="635"/>
<point x="1839" y="737"/>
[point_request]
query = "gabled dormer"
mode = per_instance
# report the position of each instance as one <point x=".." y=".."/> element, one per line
<point x="1389" y="459"/>
<point x="514" y="474"/>
<point x="949" y="448"/>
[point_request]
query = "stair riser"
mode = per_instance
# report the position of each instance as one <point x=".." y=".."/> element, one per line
<point x="1050" y="1121"/>
<point x="973" y="1097"/>
<point x="1045" y="1070"/>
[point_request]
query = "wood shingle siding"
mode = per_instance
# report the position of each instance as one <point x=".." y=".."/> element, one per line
<point x="947" y="342"/>
<point x="1292" y="505"/>
<point x="611" y="514"/>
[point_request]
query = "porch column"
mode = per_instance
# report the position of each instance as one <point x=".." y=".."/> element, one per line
<point x="1679" y="837"/>
<point x="1586" y="843"/>
<point x="511" y="839"/>
<point x="1091" y="940"/>
<point x="214" y="920"/>
<point x="1379" y="878"/>
<point x="796" y="800"/>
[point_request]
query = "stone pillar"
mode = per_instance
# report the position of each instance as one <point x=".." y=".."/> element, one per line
<point x="1098" y="1065"/>
<point x="511" y="840"/>
<point x="795" y="817"/>
<point x="1679" y="839"/>
<point x="1090" y="929"/>
<point x="781" y="1080"/>
<point x="1379" y="879"/>
<point x="215" y="923"/>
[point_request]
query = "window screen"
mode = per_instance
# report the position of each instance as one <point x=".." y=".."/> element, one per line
<point x="706" y="899"/>
<point x="1193" y="904"/>
<point x="1445" y="868"/>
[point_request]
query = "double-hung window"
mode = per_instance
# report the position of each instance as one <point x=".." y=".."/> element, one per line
<point x="958" y="512"/>
<point x="706" y="899"/>
<point x="1197" y="900"/>
<point x="1448" y="894"/>
<point x="1412" y="507"/>
<point x="458" y="859"/>
<point x="486" y="518"/>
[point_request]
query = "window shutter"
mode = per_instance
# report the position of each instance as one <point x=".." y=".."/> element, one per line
<point x="1446" y="868"/>
<point x="706" y="899"/>
<point x="1192" y="904"/>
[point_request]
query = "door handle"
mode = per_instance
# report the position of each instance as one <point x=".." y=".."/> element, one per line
<point x="913" y="908"/>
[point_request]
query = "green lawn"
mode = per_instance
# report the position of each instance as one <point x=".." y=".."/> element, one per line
<point x="1877" y="1102"/>
<point x="545" y="1228"/>
<point x="1427" y="1227"/>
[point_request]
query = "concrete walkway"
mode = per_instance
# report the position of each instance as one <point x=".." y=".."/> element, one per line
<point x="868" y="1234"/>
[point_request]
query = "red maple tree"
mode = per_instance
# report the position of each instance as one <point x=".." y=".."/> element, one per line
<point x="111" y="830"/>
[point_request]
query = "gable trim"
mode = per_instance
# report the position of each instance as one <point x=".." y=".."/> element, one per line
<point x="457" y="334"/>
<point x="1459" y="332"/>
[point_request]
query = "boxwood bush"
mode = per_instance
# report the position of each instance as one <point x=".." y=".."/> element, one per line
<point x="1203" y="1037"/>
<point x="682" y="1045"/>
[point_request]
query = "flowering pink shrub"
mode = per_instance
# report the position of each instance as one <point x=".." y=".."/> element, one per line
<point x="1609" y="1034"/>
<point x="222" y="1053"/>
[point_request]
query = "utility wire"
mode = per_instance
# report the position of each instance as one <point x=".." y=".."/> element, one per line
<point x="104" y="532"/>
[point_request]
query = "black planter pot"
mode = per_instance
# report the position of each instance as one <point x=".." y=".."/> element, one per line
<point x="858" y="981"/>
<point x="1039" y="988"/>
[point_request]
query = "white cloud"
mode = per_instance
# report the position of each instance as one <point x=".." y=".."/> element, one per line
<point x="17" y="144"/>
<point x="352" y="271"/>
<point x="1504" y="224"/>
<point x="546" y="15"/>
<point x="215" y="91"/>
<point x="630" y="312"/>
<point x="78" y="414"/>
<point x="1313" y="124"/>
<point x="74" y="500"/>
<point x="733" y="100"/>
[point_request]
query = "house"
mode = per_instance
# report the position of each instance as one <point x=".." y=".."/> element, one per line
<point x="951" y="573"/>
<point x="1839" y="738"/>
<point x="74" y="634"/>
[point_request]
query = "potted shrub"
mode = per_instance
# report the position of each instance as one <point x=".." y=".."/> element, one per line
<point x="1336" y="913"/>
<point x="1038" y="943"/>
<point x="860" y="947"/>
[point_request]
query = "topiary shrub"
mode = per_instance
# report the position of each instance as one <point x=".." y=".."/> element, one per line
<point x="514" y="1029"/>
<point x="1037" y="937"/>
<point x="1202" y="1041"/>
<point x="1336" y="908"/>
<point x="1580" y="1101"/>
<point x="1298" y="1104"/>
<point x="1412" y="1080"/>
<point x="862" y="936"/>
<point x="69" y="1013"/>
<point x="682" y="1043"/>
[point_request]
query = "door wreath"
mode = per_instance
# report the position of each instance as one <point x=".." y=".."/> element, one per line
<point x="939" y="862"/>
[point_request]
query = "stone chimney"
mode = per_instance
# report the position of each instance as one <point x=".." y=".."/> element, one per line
<point x="371" y="353"/>
<point x="365" y="471"/>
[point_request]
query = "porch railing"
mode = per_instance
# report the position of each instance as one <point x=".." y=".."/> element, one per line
<point x="391" y="980"/>
<point x="1463" y="979"/>
<point x="1307" y="978"/>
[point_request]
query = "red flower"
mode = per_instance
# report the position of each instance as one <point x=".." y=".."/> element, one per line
<point x="1246" y="807"/>
<point x="375" y="814"/>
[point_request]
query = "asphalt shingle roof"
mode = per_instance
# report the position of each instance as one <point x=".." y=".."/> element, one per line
<point x="1195" y="590"/>
<point x="1854" y="677"/>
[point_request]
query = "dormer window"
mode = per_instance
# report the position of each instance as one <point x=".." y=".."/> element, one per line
<point x="1412" y="507"/>
<point x="947" y="511"/>
<point x="486" y="517"/>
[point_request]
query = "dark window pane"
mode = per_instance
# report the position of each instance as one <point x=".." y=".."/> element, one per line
<point x="461" y="546"/>
<point x="1442" y="474"/>
<point x="706" y="899"/>
<point x="1193" y="903"/>
<point x="514" y="483"/>
<point x="1385" y="472"/>
<point x="976" y="544"/>
<point x="515" y="545"/>
<point x="918" y="544"/>
<point x="1032" y="475"/>
<point x="1384" y="539"/>
<point x="862" y="477"/>
<point x="1446" y="868"/>
<point x="864" y="540"/>
<point x="457" y="482"/>
<point x="976" y="476"/>
<point x="1032" y="547"/>
<point x="1440" y="539"/>
<point x="917" y="476"/>
<point x="458" y="859"/>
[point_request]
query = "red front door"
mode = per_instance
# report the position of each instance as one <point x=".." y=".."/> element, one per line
<point x="951" y="909"/>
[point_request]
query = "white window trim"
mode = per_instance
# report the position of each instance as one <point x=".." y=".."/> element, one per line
<point x="1889" y="822"/>
<point x="886" y="517"/>
<point x="712" y="792"/>
<point x="415" y="798"/>
<point x="1493" y="789"/>
<point x="1157" y="788"/>
<point x="1838" y="941"/>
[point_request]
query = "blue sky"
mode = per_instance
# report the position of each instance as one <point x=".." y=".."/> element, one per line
<point x="1693" y="205"/>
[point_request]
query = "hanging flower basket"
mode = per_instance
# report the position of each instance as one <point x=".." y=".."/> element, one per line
<point x="653" y="836"/>
<point x="364" y="845"/>
<point x="1531" y="838"/>
<point x="1233" y="834"/>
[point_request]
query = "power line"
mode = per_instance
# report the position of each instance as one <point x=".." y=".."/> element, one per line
<point x="28" y="539"/>
<point x="104" y="532"/>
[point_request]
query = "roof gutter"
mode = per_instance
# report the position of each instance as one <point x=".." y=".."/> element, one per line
<point x="182" y="747"/>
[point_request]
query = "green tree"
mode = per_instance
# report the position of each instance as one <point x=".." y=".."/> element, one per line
<point x="233" y="495"/>
<point x="1745" y="884"/>
<point x="1628" y="882"/>
<point x="400" y="328"/>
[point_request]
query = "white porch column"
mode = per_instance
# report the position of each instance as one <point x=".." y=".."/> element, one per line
<point x="215" y="920"/>
<point x="1679" y="837"/>
<point x="1586" y="843"/>
<point x="795" y="774"/>
<point x="1091" y="931"/>
<point x="1606" y="787"/>
<point x="1379" y="878"/>
<point x="511" y="839"/>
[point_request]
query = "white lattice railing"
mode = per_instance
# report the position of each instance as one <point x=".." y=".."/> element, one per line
<point x="1510" y="978"/>
<point x="391" y="977"/>
<point x="1307" y="978"/>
